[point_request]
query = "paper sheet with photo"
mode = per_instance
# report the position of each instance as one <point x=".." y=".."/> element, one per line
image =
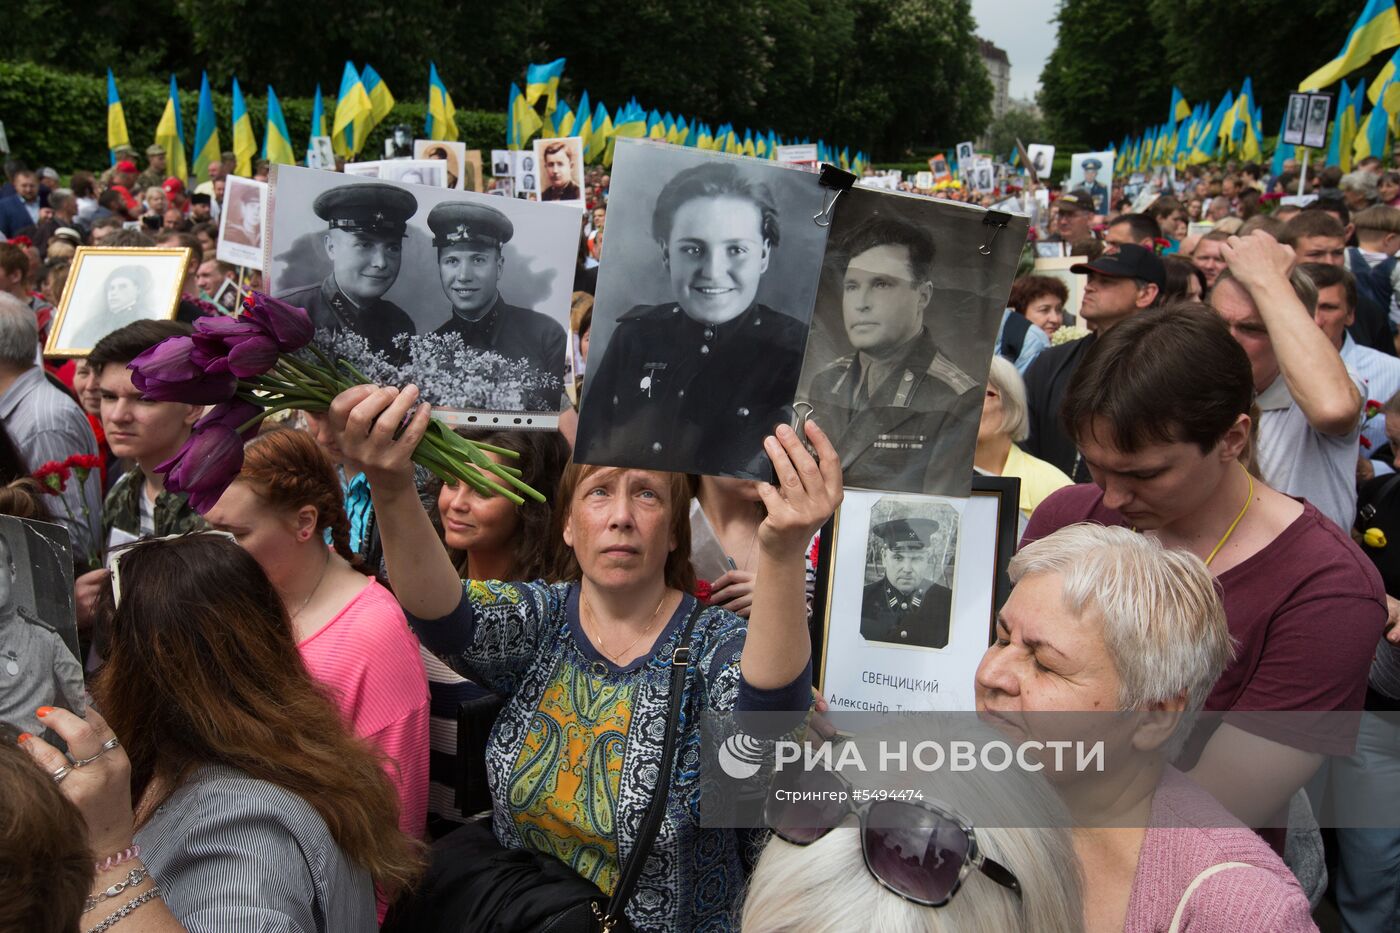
<point x="39" y="650"/>
<point x="709" y="270"/>
<point x="1093" y="171"/>
<point x="902" y="336"/>
<point x="454" y="154"/>
<point x="243" y="223"/>
<point x="560" y="164"/>
<point x="479" y="327"/>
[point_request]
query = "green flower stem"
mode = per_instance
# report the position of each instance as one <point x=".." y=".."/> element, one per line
<point x="310" y="372"/>
<point x="253" y="421"/>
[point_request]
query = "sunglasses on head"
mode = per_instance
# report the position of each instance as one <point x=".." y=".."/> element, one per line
<point x="916" y="849"/>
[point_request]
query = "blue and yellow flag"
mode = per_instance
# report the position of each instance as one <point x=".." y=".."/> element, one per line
<point x="522" y="122"/>
<point x="1180" y="108"/>
<point x="116" y="119"/>
<point x="170" y="135"/>
<point x="563" y="120"/>
<point x="353" y="111"/>
<point x="583" y="126"/>
<point x="277" y="142"/>
<point x="1208" y="140"/>
<point x="1375" y="30"/>
<point x="603" y="132"/>
<point x="245" y="144"/>
<point x="319" y="127"/>
<point x="381" y="101"/>
<point x="206" y="132"/>
<point x="441" y="121"/>
<point x="543" y="81"/>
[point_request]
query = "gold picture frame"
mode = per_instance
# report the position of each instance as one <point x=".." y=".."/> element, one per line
<point x="156" y="276"/>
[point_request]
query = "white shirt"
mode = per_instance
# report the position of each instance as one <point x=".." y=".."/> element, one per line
<point x="1380" y="375"/>
<point x="1298" y="460"/>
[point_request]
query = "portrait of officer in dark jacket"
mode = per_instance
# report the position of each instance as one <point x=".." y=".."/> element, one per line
<point x="469" y="238"/>
<point x="903" y="416"/>
<point x="695" y="383"/>
<point x="904" y="606"/>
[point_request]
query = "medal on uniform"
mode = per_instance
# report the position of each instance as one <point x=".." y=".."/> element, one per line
<point x="12" y="665"/>
<point x="648" y="382"/>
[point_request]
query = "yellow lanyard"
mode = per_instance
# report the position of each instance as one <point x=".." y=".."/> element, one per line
<point x="1235" y="524"/>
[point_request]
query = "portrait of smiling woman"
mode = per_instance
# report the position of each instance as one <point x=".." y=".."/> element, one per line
<point x="699" y="362"/>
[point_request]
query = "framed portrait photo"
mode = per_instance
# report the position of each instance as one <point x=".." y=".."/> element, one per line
<point x="242" y="223"/>
<point x="905" y="283"/>
<point x="709" y="270"/>
<point x="228" y="297"/>
<point x="908" y="588"/>
<point x="1041" y="157"/>
<point x="464" y="294"/>
<point x="363" y="169"/>
<point x="560" y="163"/>
<point x="39" y="651"/>
<point x="452" y="155"/>
<point x="320" y="153"/>
<point x="502" y="165"/>
<point x="965" y="155"/>
<point x="1315" y="132"/>
<point x="110" y="288"/>
<point x="1093" y="172"/>
<point x="1295" y="124"/>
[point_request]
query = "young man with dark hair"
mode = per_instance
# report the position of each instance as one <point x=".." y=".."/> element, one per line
<point x="1318" y="236"/>
<point x="1138" y="229"/>
<point x="1305" y="607"/>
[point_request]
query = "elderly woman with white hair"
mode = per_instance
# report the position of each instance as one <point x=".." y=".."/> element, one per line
<point x="1004" y="422"/>
<point x="1105" y="621"/>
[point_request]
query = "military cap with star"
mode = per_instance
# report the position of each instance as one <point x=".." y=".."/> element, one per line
<point x="455" y="223"/>
<point x="369" y="207"/>
<point x="906" y="532"/>
<point x="1093" y="164"/>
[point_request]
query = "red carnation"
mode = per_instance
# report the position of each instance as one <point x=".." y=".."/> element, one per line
<point x="53" y="476"/>
<point x="703" y="591"/>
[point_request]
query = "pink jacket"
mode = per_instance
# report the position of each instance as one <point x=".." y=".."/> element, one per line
<point x="1190" y="832"/>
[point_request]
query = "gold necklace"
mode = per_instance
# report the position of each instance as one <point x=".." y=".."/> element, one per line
<point x="319" y="580"/>
<point x="588" y="611"/>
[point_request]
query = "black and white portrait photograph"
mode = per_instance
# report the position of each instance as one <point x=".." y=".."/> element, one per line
<point x="561" y="169"/>
<point x="965" y="156"/>
<point x="363" y="169"/>
<point x="983" y="179"/>
<point x="904" y="326"/>
<point x="502" y="187"/>
<point x="708" y="275"/>
<point x="526" y="178"/>
<point x="803" y="154"/>
<point x="111" y="288"/>
<point x="241" y="223"/>
<point x="228" y="297"/>
<point x="1093" y="172"/>
<point x="399" y="143"/>
<point x="938" y="166"/>
<point x="1294" y="128"/>
<point x="910" y="555"/>
<point x="320" y="153"/>
<point x="463" y="294"/>
<point x="430" y="172"/>
<point x="38" y="630"/>
<point x="1042" y="157"/>
<point x="1315" y="134"/>
<point x="502" y="165"/>
<point x="452" y="154"/>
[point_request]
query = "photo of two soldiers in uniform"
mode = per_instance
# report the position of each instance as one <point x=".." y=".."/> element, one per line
<point x="38" y="633"/>
<point x="902" y="335"/>
<point x="463" y="294"/>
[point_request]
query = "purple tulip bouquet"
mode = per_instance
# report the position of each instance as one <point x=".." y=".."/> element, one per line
<point x="261" y="362"/>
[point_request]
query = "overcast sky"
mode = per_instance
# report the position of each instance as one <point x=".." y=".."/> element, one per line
<point x="1026" y="30"/>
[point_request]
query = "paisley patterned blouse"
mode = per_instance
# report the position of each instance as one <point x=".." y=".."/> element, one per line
<point x="574" y="755"/>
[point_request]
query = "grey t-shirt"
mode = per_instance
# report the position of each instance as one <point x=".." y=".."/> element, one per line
<point x="1298" y="460"/>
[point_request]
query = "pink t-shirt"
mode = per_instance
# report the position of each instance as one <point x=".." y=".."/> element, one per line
<point x="368" y="657"/>
<point x="1190" y="832"/>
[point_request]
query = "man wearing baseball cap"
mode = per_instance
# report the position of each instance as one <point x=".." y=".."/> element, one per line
<point x="154" y="175"/>
<point x="123" y="177"/>
<point x="1118" y="285"/>
<point x="175" y="195"/>
<point x="366" y="226"/>
<point x="469" y="239"/>
<point x="903" y="607"/>
<point x="1074" y="216"/>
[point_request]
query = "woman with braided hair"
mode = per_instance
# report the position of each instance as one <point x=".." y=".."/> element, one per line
<point x="352" y="635"/>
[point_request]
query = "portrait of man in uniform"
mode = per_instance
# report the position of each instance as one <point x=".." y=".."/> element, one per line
<point x="902" y="414"/>
<point x="365" y="227"/>
<point x="694" y="383"/>
<point x="37" y="666"/>
<point x="559" y="160"/>
<point x="1091" y="168"/>
<point x="905" y="606"/>
<point x="469" y="238"/>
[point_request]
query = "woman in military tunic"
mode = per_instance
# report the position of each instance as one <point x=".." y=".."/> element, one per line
<point x="694" y="384"/>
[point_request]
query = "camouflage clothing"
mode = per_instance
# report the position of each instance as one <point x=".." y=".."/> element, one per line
<point x="122" y="510"/>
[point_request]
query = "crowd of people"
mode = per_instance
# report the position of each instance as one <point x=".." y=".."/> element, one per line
<point x="322" y="703"/>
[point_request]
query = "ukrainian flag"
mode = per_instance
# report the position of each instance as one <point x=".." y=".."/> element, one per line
<point x="583" y="122"/>
<point x="381" y="101"/>
<point x="564" y="120"/>
<point x="442" y="116"/>
<point x="170" y="135"/>
<point x="206" y="132"/>
<point x="245" y="144"/>
<point x="1208" y="140"/>
<point x="543" y="81"/>
<point x="318" y="116"/>
<point x="522" y="122"/>
<point x="1376" y="29"/>
<point x="602" y="133"/>
<point x="1180" y="108"/>
<point x="353" y="110"/>
<point x="277" y="143"/>
<point x="116" y="119"/>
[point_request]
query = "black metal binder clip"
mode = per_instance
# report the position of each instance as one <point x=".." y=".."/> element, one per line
<point x="838" y="180"/>
<point x="997" y="220"/>
<point x="801" y="412"/>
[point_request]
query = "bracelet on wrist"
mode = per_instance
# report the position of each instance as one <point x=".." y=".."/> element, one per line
<point x="125" y="855"/>
<point x="136" y="876"/>
<point x="126" y="909"/>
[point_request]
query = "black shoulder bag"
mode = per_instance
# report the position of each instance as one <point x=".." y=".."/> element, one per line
<point x="476" y="885"/>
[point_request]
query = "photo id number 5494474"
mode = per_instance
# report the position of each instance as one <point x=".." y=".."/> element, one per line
<point x="862" y="794"/>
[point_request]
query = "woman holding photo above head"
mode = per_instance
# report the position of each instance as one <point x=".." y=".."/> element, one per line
<point x="349" y="630"/>
<point x="570" y="780"/>
<point x="249" y="804"/>
<point x="698" y="381"/>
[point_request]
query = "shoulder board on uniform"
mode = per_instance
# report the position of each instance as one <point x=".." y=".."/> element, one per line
<point x="946" y="370"/>
<point x="32" y="619"/>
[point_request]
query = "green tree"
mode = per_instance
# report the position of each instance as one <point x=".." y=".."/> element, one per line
<point x="1001" y="134"/>
<point x="1106" y="74"/>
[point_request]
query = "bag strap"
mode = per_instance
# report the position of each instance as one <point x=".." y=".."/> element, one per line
<point x="1196" y="883"/>
<point x="656" y="811"/>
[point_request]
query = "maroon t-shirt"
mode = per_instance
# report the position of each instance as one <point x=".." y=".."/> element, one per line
<point x="1306" y="613"/>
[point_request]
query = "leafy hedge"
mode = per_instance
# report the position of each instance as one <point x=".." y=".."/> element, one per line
<point x="60" y="119"/>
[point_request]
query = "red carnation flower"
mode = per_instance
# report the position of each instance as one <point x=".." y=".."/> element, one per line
<point x="703" y="591"/>
<point x="53" y="476"/>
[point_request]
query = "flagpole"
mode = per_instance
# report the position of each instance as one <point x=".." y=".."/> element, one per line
<point x="1303" y="177"/>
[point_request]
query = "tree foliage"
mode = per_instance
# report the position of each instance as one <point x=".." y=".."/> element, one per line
<point x="882" y="75"/>
<point x="1014" y="124"/>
